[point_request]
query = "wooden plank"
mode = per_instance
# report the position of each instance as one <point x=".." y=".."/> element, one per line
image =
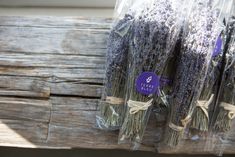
<point x="60" y="41"/>
<point x="24" y="86"/>
<point x="43" y="87"/>
<point x="76" y="89"/>
<point x="18" y="133"/>
<point x="25" y="109"/>
<point x="57" y="74"/>
<point x="58" y="22"/>
<point x="49" y="60"/>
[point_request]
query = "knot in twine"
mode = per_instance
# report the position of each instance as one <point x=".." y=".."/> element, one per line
<point x="175" y="127"/>
<point x="136" y="106"/>
<point x="114" y="100"/>
<point x="204" y="105"/>
<point x="184" y="122"/>
<point x="230" y="108"/>
<point x="180" y="128"/>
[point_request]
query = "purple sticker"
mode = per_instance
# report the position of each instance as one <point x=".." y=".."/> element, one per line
<point x="147" y="83"/>
<point x="218" y="47"/>
<point x="165" y="81"/>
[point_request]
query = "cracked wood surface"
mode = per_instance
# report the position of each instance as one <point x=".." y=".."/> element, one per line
<point x="51" y="71"/>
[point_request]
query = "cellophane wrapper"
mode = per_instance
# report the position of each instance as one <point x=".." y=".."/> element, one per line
<point x="223" y="124"/>
<point x="111" y="106"/>
<point x="200" y="32"/>
<point x="154" y="32"/>
<point x="203" y="112"/>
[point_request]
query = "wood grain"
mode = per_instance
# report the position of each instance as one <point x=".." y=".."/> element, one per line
<point x="20" y="133"/>
<point x="51" y="75"/>
<point x="25" y="109"/>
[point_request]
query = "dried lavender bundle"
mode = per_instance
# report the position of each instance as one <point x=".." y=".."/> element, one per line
<point x="200" y="36"/>
<point x="201" y="117"/>
<point x="112" y="105"/>
<point x="154" y="33"/>
<point x="161" y="104"/>
<point x="227" y="91"/>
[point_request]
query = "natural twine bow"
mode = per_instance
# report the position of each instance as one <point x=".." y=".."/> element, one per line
<point x="204" y="105"/>
<point x="175" y="127"/>
<point x="184" y="122"/>
<point x="114" y="100"/>
<point x="230" y="108"/>
<point x="136" y="106"/>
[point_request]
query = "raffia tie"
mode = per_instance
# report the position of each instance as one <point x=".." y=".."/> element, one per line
<point x="136" y="106"/>
<point x="204" y="105"/>
<point x="230" y="108"/>
<point x="184" y="122"/>
<point x="175" y="127"/>
<point x="114" y="100"/>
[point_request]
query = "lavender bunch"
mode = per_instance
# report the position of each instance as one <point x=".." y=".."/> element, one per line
<point x="227" y="90"/>
<point x="201" y="117"/>
<point x="112" y="105"/>
<point x="199" y="37"/>
<point x="154" y="34"/>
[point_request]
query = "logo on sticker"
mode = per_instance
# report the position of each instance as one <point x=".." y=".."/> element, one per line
<point x="218" y="47"/>
<point x="147" y="83"/>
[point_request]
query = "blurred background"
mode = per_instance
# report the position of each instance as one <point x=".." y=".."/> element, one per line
<point x="85" y="8"/>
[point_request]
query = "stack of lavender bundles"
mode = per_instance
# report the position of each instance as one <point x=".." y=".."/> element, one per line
<point x="201" y="117"/>
<point x="154" y="33"/>
<point x="198" y="41"/>
<point x="226" y="98"/>
<point x="112" y="105"/>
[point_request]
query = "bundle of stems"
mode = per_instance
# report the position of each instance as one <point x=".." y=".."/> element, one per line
<point x="199" y="37"/>
<point x="154" y="34"/>
<point x="161" y="104"/>
<point x="201" y="116"/>
<point x="112" y="107"/>
<point x="226" y="99"/>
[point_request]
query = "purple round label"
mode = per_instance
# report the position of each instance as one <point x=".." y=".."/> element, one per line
<point x="218" y="47"/>
<point x="147" y="83"/>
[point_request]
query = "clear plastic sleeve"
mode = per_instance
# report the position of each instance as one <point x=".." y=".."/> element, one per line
<point x="199" y="37"/>
<point x="225" y="111"/>
<point x="203" y="112"/>
<point x="111" y="106"/>
<point x="199" y="125"/>
<point x="155" y="31"/>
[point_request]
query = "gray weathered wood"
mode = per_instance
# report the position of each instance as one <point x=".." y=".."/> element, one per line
<point x="51" y="74"/>
<point x="20" y="133"/>
<point x="25" y="109"/>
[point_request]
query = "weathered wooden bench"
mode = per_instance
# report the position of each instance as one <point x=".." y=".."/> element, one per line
<point x="51" y="74"/>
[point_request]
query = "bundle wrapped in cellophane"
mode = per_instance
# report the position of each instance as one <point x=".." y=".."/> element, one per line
<point x="226" y="99"/>
<point x="202" y="115"/>
<point x="154" y="32"/>
<point x="224" y="113"/>
<point x="199" y="37"/>
<point x="112" y="108"/>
